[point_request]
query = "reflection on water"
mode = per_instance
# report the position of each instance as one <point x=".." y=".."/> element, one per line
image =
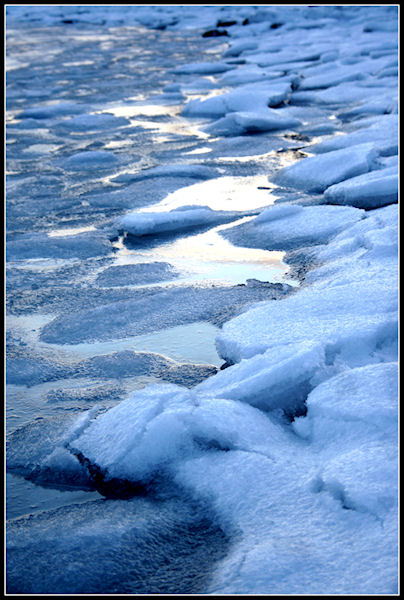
<point x="175" y="126"/>
<point x="208" y="257"/>
<point x="24" y="497"/>
<point x="148" y="110"/>
<point x="223" y="193"/>
<point x="194" y="343"/>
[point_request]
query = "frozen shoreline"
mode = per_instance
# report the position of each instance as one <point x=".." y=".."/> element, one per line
<point x="294" y="446"/>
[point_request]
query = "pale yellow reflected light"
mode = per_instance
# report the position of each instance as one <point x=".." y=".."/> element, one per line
<point x="208" y="257"/>
<point x="224" y="193"/>
<point x="178" y="125"/>
<point x="211" y="246"/>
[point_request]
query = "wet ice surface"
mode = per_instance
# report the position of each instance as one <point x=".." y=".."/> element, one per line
<point x="160" y="222"/>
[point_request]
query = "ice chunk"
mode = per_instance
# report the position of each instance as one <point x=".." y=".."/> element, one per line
<point x="370" y="190"/>
<point x="361" y="402"/>
<point x="179" y="219"/>
<point x="286" y="227"/>
<point x="238" y="47"/>
<point x="364" y="479"/>
<point x="383" y="134"/>
<point x="379" y="106"/>
<point x="341" y="73"/>
<point x="198" y="86"/>
<point x="273" y="59"/>
<point x="123" y="440"/>
<point x="315" y="174"/>
<point x="316" y="315"/>
<point x="238" y="123"/>
<point x="278" y="378"/>
<point x="160" y="426"/>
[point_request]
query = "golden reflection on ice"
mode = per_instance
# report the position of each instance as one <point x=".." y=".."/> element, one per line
<point x="211" y="246"/>
<point x="208" y="257"/>
<point x="223" y="193"/>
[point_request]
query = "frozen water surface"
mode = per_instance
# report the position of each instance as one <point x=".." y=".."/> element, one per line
<point x="202" y="293"/>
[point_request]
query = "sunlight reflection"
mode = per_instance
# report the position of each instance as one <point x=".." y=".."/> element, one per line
<point x="177" y="126"/>
<point x="208" y="257"/>
<point x="70" y="231"/>
<point x="224" y="193"/>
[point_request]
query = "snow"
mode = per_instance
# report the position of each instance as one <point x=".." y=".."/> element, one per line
<point x="277" y="473"/>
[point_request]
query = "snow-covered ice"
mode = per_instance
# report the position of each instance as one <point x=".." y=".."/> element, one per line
<point x="274" y="131"/>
